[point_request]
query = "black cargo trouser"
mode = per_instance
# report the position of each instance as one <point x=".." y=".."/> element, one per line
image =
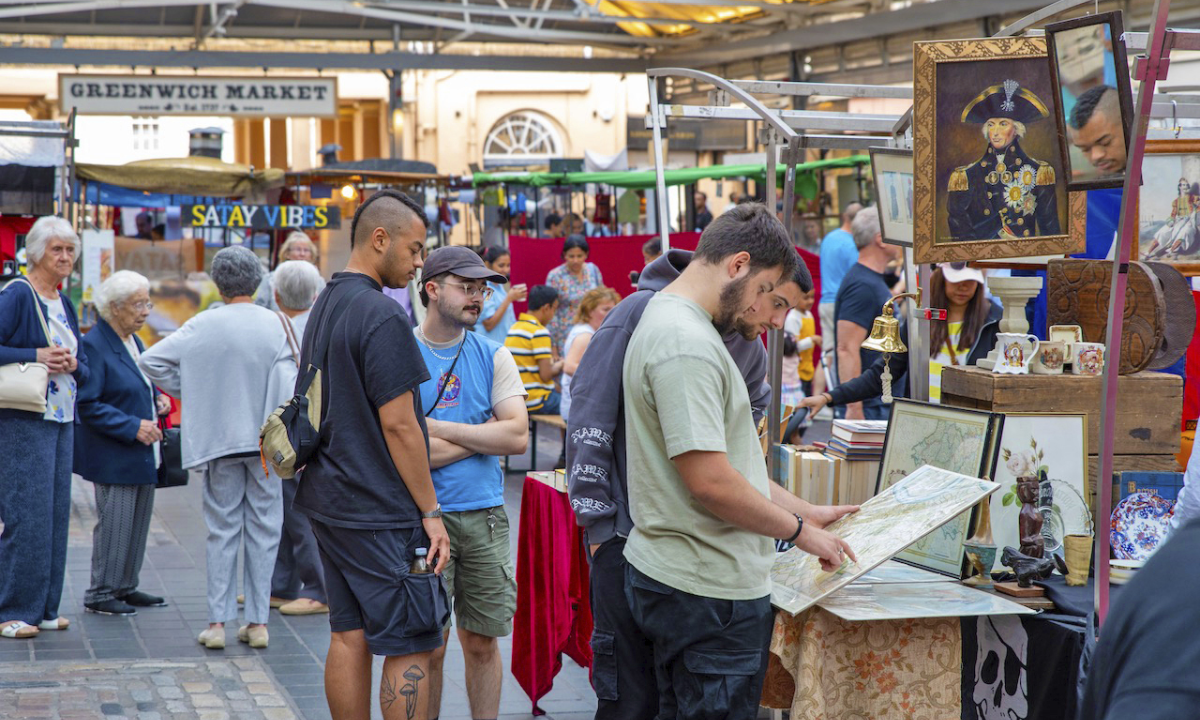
<point x="622" y="657"/>
<point x="710" y="655"/>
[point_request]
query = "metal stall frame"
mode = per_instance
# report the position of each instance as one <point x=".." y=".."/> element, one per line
<point x="783" y="143"/>
<point x="66" y="205"/>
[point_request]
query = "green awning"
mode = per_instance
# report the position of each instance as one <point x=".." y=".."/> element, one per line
<point x="643" y="179"/>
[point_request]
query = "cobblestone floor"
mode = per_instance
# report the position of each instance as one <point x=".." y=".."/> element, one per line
<point x="150" y="667"/>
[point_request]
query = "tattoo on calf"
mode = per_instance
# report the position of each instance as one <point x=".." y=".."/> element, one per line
<point x="387" y="692"/>
<point x="410" y="689"/>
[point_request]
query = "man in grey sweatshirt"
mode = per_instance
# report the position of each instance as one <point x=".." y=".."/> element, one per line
<point x="598" y="488"/>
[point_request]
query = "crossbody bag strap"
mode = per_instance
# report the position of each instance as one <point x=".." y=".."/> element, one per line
<point x="325" y="332"/>
<point x="37" y="304"/>
<point x="446" y="377"/>
<point x="291" y="336"/>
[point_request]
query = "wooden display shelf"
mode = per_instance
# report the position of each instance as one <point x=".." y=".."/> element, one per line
<point x="1149" y="404"/>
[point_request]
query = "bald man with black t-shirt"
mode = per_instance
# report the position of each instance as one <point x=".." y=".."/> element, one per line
<point x="367" y="489"/>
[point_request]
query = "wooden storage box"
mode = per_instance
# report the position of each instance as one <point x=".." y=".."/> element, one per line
<point x="1149" y="404"/>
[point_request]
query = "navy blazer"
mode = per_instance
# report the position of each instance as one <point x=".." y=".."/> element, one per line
<point x="21" y="335"/>
<point x="110" y="410"/>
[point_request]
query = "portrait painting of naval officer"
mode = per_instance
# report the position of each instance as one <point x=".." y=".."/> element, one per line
<point x="1006" y="194"/>
<point x="986" y="156"/>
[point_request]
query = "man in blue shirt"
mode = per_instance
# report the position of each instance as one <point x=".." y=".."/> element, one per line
<point x="477" y="412"/>
<point x="838" y="255"/>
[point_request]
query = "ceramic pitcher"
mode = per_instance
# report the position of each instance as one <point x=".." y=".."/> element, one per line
<point x="1015" y="351"/>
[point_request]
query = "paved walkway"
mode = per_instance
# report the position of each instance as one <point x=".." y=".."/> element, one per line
<point x="150" y="667"/>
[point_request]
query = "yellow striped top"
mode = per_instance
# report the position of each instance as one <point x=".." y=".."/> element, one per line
<point x="528" y="340"/>
<point x="943" y="358"/>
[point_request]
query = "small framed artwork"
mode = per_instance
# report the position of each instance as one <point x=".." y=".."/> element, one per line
<point x="988" y="175"/>
<point x="1168" y="229"/>
<point x="954" y="439"/>
<point x="1052" y="448"/>
<point x="1090" y="75"/>
<point x="892" y="170"/>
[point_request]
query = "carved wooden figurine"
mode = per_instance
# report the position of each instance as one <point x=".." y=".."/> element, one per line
<point x="1030" y="520"/>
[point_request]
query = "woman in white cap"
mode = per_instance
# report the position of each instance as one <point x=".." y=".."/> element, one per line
<point x="966" y="336"/>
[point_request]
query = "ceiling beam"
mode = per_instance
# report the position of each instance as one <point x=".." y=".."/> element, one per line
<point x="188" y="32"/>
<point x="917" y="17"/>
<point x="311" y="61"/>
<point x="353" y="8"/>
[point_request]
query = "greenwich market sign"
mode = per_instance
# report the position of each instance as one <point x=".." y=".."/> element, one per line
<point x="179" y="95"/>
<point x="262" y="217"/>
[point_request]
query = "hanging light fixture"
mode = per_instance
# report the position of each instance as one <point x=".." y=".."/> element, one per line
<point x="885" y="338"/>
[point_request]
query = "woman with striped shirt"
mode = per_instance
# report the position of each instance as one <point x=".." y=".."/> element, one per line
<point x="964" y="338"/>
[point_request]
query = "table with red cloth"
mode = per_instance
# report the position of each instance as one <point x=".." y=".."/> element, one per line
<point x="554" y="614"/>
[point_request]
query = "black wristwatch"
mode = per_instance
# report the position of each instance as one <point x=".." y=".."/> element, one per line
<point x="436" y="512"/>
<point x="799" y="527"/>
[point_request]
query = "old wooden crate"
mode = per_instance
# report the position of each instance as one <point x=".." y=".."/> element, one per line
<point x="1149" y="404"/>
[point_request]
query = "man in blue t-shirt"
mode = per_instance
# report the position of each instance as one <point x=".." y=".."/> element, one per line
<point x="477" y="412"/>
<point x="838" y="255"/>
<point x="861" y="299"/>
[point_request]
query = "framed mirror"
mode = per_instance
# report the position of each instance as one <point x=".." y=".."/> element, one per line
<point x="1090" y="76"/>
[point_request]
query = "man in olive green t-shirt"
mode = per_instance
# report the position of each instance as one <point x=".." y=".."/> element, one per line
<point x="704" y="511"/>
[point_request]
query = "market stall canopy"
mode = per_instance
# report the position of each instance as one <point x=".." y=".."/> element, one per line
<point x="385" y="171"/>
<point x="644" y="179"/>
<point x="194" y="175"/>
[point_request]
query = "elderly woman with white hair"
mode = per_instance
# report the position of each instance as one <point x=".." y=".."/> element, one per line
<point x="117" y="445"/>
<point x="297" y="246"/>
<point x="298" y="583"/>
<point x="220" y="364"/>
<point x="38" y="325"/>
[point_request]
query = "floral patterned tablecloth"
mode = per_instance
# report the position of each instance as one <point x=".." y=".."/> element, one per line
<point x="826" y="668"/>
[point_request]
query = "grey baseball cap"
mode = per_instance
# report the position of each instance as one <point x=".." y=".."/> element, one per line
<point x="460" y="261"/>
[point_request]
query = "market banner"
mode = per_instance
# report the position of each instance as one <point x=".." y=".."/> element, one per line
<point x="201" y="95"/>
<point x="262" y="217"/>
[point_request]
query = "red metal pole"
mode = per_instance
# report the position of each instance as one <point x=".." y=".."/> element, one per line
<point x="1149" y="69"/>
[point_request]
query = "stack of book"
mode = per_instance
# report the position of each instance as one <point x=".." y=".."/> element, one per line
<point x="857" y="439"/>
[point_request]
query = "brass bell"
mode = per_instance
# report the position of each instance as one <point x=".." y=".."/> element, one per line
<point x="885" y="333"/>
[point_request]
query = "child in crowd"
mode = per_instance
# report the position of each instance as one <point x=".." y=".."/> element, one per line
<point x="803" y="328"/>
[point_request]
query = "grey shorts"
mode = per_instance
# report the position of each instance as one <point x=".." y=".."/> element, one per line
<point x="370" y="588"/>
<point x="480" y="576"/>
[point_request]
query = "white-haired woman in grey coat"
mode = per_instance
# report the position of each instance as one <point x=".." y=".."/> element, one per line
<point x="220" y="364"/>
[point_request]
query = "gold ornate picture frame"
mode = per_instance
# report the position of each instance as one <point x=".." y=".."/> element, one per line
<point x="1167" y="211"/>
<point x="986" y="154"/>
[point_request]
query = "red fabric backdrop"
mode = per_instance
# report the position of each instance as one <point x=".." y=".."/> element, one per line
<point x="534" y="258"/>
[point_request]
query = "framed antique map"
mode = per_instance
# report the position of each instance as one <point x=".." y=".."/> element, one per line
<point x="884" y="525"/>
<point x="954" y="439"/>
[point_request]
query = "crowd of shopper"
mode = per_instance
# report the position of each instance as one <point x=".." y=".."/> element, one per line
<point x="414" y="417"/>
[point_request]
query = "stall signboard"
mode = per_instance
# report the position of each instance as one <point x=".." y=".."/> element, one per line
<point x="262" y="217"/>
<point x="686" y="134"/>
<point x="200" y="95"/>
<point x="99" y="250"/>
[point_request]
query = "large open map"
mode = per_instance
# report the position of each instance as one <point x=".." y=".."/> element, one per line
<point x="960" y="441"/>
<point x="884" y="525"/>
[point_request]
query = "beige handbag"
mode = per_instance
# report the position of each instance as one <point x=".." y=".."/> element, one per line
<point x="23" y="385"/>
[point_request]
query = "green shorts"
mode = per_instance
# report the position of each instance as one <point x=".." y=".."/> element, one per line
<point x="480" y="579"/>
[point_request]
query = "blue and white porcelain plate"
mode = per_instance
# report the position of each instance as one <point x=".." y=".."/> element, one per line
<point x="1139" y="523"/>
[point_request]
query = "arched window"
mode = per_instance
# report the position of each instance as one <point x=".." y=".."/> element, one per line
<point x="522" y="138"/>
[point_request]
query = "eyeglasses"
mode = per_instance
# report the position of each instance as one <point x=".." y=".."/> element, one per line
<point x="143" y="305"/>
<point x="473" y="291"/>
